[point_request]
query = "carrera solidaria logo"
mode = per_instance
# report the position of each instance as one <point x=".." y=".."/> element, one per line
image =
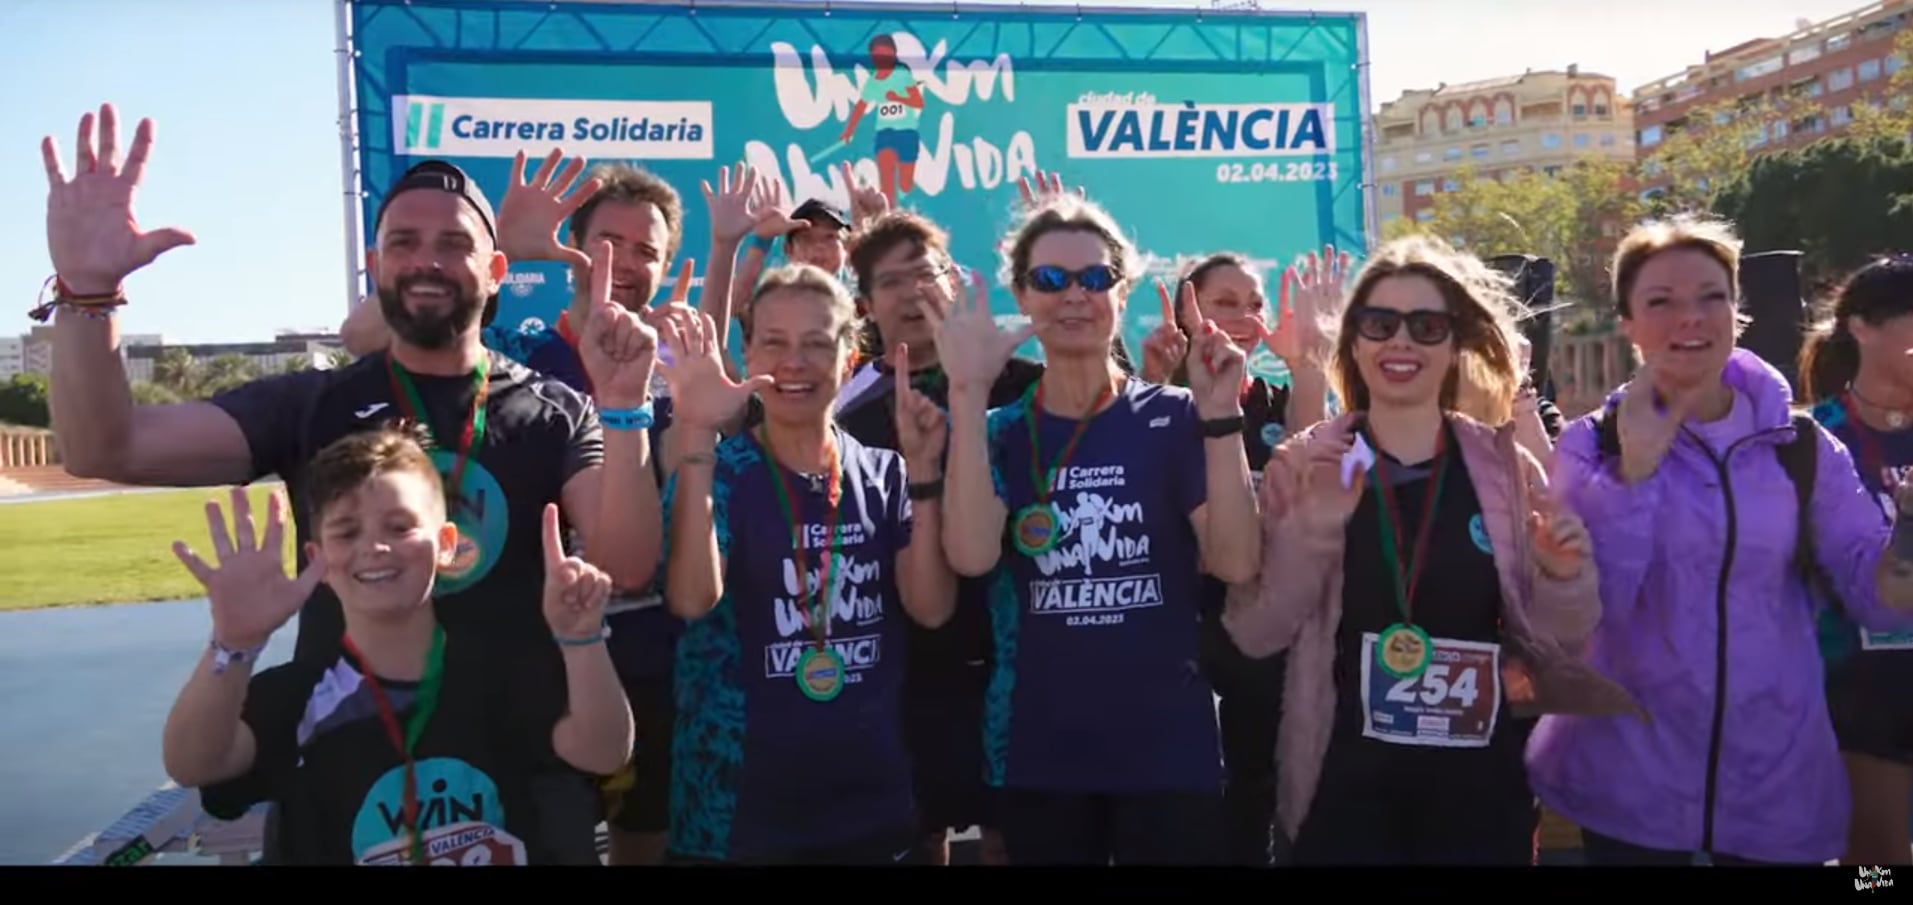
<point x="1872" y="878"/>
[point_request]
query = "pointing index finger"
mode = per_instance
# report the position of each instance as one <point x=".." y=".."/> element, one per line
<point x="601" y="255"/>
<point x="681" y="290"/>
<point x="554" y="548"/>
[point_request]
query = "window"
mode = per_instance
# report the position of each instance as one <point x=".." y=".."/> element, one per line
<point x="1648" y="137"/>
<point x="1581" y="140"/>
<point x="1477" y="120"/>
<point x="1841" y="115"/>
<point x="1607" y="139"/>
<point x="1424" y="188"/>
<point x="1504" y="113"/>
<point x="1651" y="168"/>
<point x="1838" y="43"/>
<point x="1813" y="88"/>
<point x="1840" y="79"/>
<point x="1388" y="164"/>
<point x="1550" y="139"/>
<point x="1894" y="63"/>
<point x="1869" y="70"/>
<point x="1600" y="110"/>
<point x="1765" y="67"/>
<point x="1580" y="111"/>
<point x="1424" y="215"/>
<point x="1451" y="154"/>
<point x="1478" y="151"/>
<point x="1511" y="147"/>
<point x="1388" y="189"/>
<point x="1450" y="185"/>
<point x="1803" y="54"/>
<point x="1424" y="157"/>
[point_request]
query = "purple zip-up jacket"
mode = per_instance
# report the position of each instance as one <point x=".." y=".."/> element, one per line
<point x="1708" y="625"/>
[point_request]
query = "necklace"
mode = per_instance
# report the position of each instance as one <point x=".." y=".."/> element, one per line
<point x="1895" y="418"/>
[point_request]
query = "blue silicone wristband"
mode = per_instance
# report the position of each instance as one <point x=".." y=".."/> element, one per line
<point x="636" y="419"/>
<point x="604" y="631"/>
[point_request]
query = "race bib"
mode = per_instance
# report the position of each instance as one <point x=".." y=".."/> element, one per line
<point x="1452" y="704"/>
<point x="468" y="844"/>
<point x="1886" y="640"/>
<point x="890" y="110"/>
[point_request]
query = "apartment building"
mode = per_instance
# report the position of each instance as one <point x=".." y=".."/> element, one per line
<point x="32" y="352"/>
<point x="1822" y="71"/>
<point x="1539" y="120"/>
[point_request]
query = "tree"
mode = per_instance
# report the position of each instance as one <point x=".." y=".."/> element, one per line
<point x="227" y="372"/>
<point x="1893" y="119"/>
<point x="1841" y="202"/>
<point x="1708" y="148"/>
<point x="1564" y="216"/>
<point x="177" y="371"/>
<point x="23" y="401"/>
<point x="153" y="394"/>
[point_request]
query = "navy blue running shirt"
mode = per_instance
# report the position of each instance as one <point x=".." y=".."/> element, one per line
<point x="757" y="768"/>
<point x="1096" y="687"/>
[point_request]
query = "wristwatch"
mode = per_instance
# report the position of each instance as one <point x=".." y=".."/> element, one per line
<point x="224" y="656"/>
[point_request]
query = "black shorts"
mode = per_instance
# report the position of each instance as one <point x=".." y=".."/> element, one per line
<point x="1157" y="828"/>
<point x="638" y="799"/>
<point x="943" y="732"/>
<point x="1866" y="697"/>
<point x="896" y="848"/>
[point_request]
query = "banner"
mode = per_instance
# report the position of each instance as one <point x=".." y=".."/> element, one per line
<point x="1201" y="131"/>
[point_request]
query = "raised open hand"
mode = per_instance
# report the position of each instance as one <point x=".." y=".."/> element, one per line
<point x="1323" y="500"/>
<point x="1044" y="187"/>
<point x="529" y="217"/>
<point x="773" y="211"/>
<point x="250" y="593"/>
<point x="1217" y="367"/>
<point x="703" y="397"/>
<point x="1311" y="291"/>
<point x="575" y="590"/>
<point x="867" y="202"/>
<point x="91" y="232"/>
<point x="971" y="347"/>
<point x="1647" y="426"/>
<point x="1166" y="346"/>
<point x="1561" y="544"/>
<point x="733" y="204"/>
<point x="618" y="347"/>
<point x="921" y="426"/>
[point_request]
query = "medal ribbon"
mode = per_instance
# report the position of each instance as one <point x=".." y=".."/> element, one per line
<point x="1872" y="459"/>
<point x="571" y="339"/>
<point x="474" y="431"/>
<point x="818" y="608"/>
<point x="1032" y="403"/>
<point x="405" y="741"/>
<point x="1406" y="579"/>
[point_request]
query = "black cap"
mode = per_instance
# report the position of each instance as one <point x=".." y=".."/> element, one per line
<point x="444" y="176"/>
<point x="819" y="213"/>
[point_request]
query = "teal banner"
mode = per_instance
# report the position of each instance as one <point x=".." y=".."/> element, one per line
<point x="1201" y="131"/>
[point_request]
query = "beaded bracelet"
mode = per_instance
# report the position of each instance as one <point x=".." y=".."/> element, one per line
<point x="604" y="631"/>
<point x="98" y="307"/>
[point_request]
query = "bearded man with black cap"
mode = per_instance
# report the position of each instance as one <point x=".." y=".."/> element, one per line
<point x="507" y="440"/>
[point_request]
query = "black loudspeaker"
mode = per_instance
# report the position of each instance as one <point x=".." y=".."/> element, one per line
<point x="1534" y="286"/>
<point x="1770" y="287"/>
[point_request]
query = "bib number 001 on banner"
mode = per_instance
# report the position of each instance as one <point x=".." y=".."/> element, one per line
<point x="1452" y="704"/>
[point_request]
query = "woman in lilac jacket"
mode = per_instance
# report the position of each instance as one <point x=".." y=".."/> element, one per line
<point x="1706" y="619"/>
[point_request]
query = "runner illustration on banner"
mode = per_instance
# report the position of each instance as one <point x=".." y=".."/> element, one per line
<point x="898" y="99"/>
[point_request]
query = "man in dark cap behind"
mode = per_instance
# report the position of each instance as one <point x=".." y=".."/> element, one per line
<point x="508" y="440"/>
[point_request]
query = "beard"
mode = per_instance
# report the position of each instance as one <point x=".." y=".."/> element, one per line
<point x="430" y="330"/>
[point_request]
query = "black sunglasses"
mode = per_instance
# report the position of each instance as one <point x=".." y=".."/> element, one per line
<point x="1050" y="278"/>
<point x="1428" y="328"/>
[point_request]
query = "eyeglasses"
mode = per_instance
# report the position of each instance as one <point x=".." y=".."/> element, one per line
<point x="1427" y="328"/>
<point x="1050" y="278"/>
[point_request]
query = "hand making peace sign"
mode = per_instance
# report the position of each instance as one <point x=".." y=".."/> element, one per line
<point x="575" y="590"/>
<point x="250" y="594"/>
<point x="92" y="235"/>
<point x="921" y="426"/>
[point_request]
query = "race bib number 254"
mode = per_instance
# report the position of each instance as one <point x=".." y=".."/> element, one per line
<point x="1453" y="703"/>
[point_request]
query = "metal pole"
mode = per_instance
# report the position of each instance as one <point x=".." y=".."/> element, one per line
<point x="348" y="154"/>
<point x="1371" y="180"/>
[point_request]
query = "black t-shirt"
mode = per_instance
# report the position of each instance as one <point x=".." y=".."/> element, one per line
<point x="539" y="433"/>
<point x="1458" y="597"/>
<point x="490" y="788"/>
<point x="869" y="413"/>
<point x="1233" y="674"/>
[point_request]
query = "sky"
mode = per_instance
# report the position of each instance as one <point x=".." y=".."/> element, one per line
<point x="245" y="97"/>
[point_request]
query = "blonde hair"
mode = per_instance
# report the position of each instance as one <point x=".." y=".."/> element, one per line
<point x="1484" y="307"/>
<point x="1710" y="236"/>
<point x="1068" y="213"/>
<point x="806" y="278"/>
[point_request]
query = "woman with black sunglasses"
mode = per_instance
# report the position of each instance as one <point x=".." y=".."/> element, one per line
<point x="1097" y="499"/>
<point x="1422" y="581"/>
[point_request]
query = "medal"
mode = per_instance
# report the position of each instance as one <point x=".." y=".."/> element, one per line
<point x="467" y="552"/>
<point x="1404" y="650"/>
<point x="405" y="738"/>
<point x="1038" y="527"/>
<point x="820" y="674"/>
<point x="820" y="671"/>
<point x="1034" y="532"/>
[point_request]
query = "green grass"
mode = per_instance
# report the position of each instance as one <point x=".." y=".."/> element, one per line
<point x="108" y="549"/>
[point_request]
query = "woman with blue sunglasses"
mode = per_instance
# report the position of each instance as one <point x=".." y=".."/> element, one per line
<point x="1096" y="500"/>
